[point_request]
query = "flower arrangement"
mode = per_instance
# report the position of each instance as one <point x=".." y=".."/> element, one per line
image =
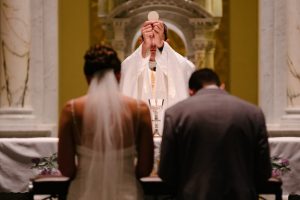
<point x="46" y="165"/>
<point x="280" y="166"/>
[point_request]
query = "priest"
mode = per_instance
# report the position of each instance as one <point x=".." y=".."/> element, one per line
<point x="155" y="70"/>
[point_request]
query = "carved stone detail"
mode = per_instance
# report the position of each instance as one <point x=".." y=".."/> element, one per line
<point x="204" y="42"/>
<point x="196" y="23"/>
<point x="119" y="40"/>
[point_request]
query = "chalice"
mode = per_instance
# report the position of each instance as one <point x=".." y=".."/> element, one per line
<point x="156" y="106"/>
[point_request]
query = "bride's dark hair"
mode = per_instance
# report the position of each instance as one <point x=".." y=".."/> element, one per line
<point x="100" y="57"/>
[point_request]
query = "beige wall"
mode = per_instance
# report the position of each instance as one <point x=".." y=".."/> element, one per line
<point x="243" y="49"/>
<point x="243" y="45"/>
<point x="73" y="42"/>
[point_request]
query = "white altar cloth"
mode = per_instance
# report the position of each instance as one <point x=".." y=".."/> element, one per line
<point x="289" y="148"/>
<point x="16" y="156"/>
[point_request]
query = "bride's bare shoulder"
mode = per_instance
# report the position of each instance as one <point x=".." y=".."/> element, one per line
<point x="75" y="105"/>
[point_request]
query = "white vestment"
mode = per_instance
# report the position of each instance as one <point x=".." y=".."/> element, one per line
<point x="171" y="83"/>
<point x="172" y="75"/>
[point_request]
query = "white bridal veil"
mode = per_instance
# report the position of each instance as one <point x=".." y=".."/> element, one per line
<point x="107" y="132"/>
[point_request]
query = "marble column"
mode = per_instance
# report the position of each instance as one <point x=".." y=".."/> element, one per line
<point x="210" y="52"/>
<point x="28" y="68"/>
<point x="209" y="31"/>
<point x="102" y="8"/>
<point x="293" y="58"/>
<point x="15" y="54"/>
<point x="208" y="5"/>
<point x="199" y="52"/>
<point x="279" y="70"/>
<point x="212" y="6"/>
<point x="199" y="42"/>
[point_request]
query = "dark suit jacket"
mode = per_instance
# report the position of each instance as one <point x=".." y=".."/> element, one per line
<point x="214" y="147"/>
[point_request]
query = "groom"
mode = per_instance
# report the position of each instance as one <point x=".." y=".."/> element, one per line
<point x="214" y="145"/>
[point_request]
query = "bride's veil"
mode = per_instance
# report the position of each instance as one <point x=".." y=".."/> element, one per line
<point x="107" y="130"/>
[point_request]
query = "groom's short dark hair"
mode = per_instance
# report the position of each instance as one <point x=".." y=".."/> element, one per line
<point x="202" y="77"/>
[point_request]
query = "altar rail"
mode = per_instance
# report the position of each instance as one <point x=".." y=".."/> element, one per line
<point x="16" y="156"/>
<point x="153" y="188"/>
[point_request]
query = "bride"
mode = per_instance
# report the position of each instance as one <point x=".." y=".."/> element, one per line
<point x="105" y="138"/>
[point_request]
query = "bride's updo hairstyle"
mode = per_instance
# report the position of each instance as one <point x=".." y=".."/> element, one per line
<point x="100" y="58"/>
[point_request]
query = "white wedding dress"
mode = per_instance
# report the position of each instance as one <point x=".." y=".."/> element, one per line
<point x="105" y="149"/>
<point x="128" y="189"/>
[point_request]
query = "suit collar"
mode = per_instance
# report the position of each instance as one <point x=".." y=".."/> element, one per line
<point x="211" y="91"/>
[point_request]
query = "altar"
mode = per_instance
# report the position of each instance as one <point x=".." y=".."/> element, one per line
<point x="288" y="148"/>
<point x="16" y="160"/>
<point x="17" y="154"/>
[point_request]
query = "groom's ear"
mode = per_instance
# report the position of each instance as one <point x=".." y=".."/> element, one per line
<point x="192" y="92"/>
<point x="223" y="86"/>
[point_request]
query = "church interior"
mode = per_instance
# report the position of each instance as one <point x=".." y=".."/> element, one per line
<point x="252" y="45"/>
